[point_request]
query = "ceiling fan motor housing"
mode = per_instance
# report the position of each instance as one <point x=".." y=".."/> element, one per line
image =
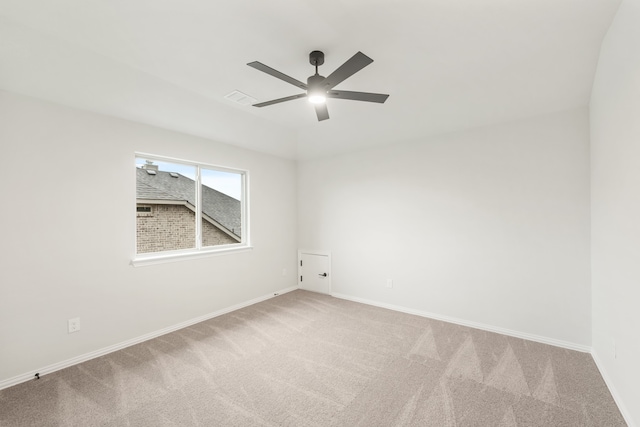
<point x="317" y="91"/>
<point x="315" y="82"/>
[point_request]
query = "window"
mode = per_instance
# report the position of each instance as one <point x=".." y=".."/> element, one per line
<point x="144" y="210"/>
<point x="185" y="208"/>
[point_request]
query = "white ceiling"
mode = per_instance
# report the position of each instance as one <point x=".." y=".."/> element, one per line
<point x="448" y="65"/>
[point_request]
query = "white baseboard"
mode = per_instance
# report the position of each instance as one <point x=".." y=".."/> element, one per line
<point x="614" y="393"/>
<point x="110" y="349"/>
<point x="545" y="340"/>
<point x="490" y="328"/>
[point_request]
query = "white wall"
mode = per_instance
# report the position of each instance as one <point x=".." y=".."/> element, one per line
<point x="67" y="226"/>
<point x="488" y="226"/>
<point x="615" y="159"/>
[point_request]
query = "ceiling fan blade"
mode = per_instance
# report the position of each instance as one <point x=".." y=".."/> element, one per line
<point x="322" y="112"/>
<point x="279" y="100"/>
<point x="354" y="64"/>
<point x="277" y="74"/>
<point x="358" y="96"/>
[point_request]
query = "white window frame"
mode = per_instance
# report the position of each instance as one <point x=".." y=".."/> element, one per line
<point x="199" y="251"/>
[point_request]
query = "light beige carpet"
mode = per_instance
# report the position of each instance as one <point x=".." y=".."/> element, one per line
<point x="304" y="359"/>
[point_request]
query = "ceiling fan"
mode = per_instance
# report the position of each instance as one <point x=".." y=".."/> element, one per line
<point x="318" y="88"/>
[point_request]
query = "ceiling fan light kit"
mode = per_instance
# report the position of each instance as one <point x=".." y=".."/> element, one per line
<point x="318" y="88"/>
<point x="317" y="98"/>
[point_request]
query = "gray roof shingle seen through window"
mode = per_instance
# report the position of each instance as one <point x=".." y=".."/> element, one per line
<point x="221" y="208"/>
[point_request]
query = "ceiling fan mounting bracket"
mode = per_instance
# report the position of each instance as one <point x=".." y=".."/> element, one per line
<point x="316" y="58"/>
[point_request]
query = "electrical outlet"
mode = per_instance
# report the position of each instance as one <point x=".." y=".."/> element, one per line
<point x="74" y="325"/>
<point x="389" y="283"/>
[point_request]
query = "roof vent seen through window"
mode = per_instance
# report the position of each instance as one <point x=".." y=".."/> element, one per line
<point x="150" y="167"/>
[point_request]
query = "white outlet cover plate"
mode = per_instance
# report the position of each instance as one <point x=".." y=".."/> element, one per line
<point x="74" y="325"/>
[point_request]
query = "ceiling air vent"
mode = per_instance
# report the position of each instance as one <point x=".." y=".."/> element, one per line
<point x="240" y="98"/>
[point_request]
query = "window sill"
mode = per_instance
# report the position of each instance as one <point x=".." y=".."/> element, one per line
<point x="145" y="260"/>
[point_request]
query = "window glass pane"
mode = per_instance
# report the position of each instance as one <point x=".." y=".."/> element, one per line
<point x="169" y="189"/>
<point x="221" y="207"/>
